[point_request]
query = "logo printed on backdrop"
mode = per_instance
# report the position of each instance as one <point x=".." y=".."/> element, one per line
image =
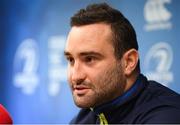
<point x="158" y="63"/>
<point x="26" y="63"/>
<point x="157" y="15"/>
<point x="57" y="68"/>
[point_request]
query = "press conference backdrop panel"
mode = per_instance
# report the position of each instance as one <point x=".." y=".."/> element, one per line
<point x="33" y="33"/>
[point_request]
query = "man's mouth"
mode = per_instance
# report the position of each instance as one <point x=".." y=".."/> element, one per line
<point x="80" y="89"/>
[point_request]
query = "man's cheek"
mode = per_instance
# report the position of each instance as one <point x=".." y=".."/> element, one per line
<point x="69" y="77"/>
<point x="70" y="82"/>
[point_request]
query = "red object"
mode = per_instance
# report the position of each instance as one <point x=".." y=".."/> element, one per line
<point x="4" y="116"/>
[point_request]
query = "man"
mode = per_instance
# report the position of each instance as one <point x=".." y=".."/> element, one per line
<point x="104" y="72"/>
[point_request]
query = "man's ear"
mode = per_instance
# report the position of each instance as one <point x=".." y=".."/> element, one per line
<point x="130" y="59"/>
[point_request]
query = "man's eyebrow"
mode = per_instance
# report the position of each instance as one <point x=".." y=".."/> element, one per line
<point x="90" y="53"/>
<point x="66" y="53"/>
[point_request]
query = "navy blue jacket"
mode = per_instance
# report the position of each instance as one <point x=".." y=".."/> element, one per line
<point x="145" y="102"/>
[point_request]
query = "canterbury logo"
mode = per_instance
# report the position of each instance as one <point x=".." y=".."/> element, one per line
<point x="156" y="14"/>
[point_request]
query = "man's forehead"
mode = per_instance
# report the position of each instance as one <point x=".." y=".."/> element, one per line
<point x="96" y="30"/>
<point x="88" y="39"/>
<point x="93" y="25"/>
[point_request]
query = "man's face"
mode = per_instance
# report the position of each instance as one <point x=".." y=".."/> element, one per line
<point x="94" y="74"/>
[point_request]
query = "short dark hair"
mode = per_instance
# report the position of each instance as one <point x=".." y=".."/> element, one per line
<point x="123" y="33"/>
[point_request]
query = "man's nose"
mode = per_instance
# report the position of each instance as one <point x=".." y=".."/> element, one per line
<point x="78" y="75"/>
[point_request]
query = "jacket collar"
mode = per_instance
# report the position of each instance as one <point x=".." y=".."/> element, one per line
<point x="128" y="95"/>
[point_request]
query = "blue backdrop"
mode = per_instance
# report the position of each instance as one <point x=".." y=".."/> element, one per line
<point x="33" y="84"/>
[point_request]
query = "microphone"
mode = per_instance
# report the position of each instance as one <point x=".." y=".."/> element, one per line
<point x="4" y="116"/>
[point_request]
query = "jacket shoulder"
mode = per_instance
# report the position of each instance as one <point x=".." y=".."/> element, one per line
<point x="157" y="104"/>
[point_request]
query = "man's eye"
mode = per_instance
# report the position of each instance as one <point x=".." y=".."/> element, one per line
<point x="70" y="60"/>
<point x="89" y="59"/>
